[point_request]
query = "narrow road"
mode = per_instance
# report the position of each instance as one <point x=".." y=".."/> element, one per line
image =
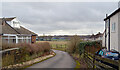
<point x="61" y="60"/>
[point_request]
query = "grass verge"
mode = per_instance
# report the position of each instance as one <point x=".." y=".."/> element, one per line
<point x="38" y="62"/>
<point x="77" y="64"/>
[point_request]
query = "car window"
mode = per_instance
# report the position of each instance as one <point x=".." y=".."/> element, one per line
<point x="114" y="54"/>
<point x="101" y="53"/>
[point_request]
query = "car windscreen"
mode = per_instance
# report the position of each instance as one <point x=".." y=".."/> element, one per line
<point x="112" y="54"/>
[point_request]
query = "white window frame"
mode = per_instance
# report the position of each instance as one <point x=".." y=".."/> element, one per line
<point x="113" y="28"/>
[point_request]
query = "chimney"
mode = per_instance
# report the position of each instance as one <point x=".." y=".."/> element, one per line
<point x="106" y="15"/>
<point x="119" y="4"/>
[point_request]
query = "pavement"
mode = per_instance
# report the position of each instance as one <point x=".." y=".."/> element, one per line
<point x="60" y="60"/>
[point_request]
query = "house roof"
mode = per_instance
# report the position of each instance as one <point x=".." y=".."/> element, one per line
<point x="23" y="30"/>
<point x="116" y="11"/>
<point x="97" y="35"/>
<point x="7" y="29"/>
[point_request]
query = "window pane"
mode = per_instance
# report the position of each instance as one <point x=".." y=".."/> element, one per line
<point x="113" y="27"/>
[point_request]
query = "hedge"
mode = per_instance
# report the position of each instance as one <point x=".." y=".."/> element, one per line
<point x="82" y="45"/>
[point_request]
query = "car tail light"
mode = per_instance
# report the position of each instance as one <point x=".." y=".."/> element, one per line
<point x="107" y="54"/>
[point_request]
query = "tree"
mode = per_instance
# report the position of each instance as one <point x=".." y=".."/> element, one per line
<point x="73" y="43"/>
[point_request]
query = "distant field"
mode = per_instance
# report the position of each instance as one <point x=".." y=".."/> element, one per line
<point x="54" y="41"/>
<point x="58" y="45"/>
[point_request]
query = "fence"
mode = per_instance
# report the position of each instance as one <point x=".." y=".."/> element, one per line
<point x="95" y="62"/>
<point x="11" y="55"/>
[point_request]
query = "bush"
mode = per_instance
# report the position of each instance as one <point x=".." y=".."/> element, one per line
<point x="73" y="44"/>
<point x="91" y="47"/>
<point x="7" y="46"/>
<point x="26" y="52"/>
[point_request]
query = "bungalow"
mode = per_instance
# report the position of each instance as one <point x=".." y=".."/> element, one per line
<point x="112" y="31"/>
<point x="13" y="32"/>
<point x="97" y="37"/>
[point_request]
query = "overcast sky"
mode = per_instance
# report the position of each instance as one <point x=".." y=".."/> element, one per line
<point x="61" y="18"/>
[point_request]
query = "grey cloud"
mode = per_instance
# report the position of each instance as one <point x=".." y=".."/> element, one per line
<point x="49" y="17"/>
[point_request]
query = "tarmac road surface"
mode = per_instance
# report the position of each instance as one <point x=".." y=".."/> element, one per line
<point x="61" y="60"/>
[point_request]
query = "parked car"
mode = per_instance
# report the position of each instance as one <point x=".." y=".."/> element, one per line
<point x="113" y="51"/>
<point x="114" y="55"/>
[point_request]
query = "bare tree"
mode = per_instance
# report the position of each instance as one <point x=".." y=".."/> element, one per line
<point x="74" y="41"/>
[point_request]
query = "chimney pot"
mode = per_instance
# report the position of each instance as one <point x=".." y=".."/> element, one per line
<point x="119" y="4"/>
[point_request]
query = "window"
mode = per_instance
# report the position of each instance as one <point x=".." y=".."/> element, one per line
<point x="113" y="27"/>
<point x="16" y="24"/>
<point x="107" y="23"/>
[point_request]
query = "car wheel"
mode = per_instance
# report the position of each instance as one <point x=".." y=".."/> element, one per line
<point x="99" y="61"/>
<point x="113" y="59"/>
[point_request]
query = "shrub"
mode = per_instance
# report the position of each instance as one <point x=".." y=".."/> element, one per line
<point x="7" y="46"/>
<point x="26" y="52"/>
<point x="91" y="47"/>
<point x="73" y="44"/>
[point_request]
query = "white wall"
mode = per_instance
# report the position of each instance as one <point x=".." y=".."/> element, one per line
<point x="16" y="24"/>
<point x="119" y="31"/>
<point x="114" y="35"/>
<point x="103" y="40"/>
<point x="107" y="33"/>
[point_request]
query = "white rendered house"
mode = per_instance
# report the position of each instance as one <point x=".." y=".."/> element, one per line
<point x="112" y="31"/>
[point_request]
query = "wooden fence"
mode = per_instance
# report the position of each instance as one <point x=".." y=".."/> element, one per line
<point x="97" y="62"/>
<point x="10" y="56"/>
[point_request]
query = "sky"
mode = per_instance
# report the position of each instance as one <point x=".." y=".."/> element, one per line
<point x="60" y="18"/>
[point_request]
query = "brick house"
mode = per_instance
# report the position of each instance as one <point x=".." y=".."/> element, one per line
<point x="13" y="32"/>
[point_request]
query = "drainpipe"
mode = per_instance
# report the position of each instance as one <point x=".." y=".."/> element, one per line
<point x="105" y="30"/>
<point x="109" y="36"/>
<point x="16" y="39"/>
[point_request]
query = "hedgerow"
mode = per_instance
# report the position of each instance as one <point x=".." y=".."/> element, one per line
<point x="26" y="52"/>
<point x="88" y="45"/>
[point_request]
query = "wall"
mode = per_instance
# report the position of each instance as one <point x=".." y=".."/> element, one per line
<point x="33" y="39"/>
<point x="0" y="42"/>
<point x="103" y="40"/>
<point x="114" y="35"/>
<point x="106" y="22"/>
<point x="119" y="31"/>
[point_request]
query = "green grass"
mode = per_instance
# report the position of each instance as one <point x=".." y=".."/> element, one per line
<point x="7" y="60"/>
<point x="36" y="62"/>
<point x="77" y="64"/>
<point x="61" y="49"/>
<point x="58" y="45"/>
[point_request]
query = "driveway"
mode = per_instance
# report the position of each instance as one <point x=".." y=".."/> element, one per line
<point x="61" y="60"/>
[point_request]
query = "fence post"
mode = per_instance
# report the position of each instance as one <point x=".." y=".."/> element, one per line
<point x="65" y="47"/>
<point x="94" y="62"/>
<point x="84" y="52"/>
<point x="14" y="56"/>
<point x="87" y="56"/>
<point x="119" y="64"/>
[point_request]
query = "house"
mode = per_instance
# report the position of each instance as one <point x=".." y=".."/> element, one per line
<point x="97" y="37"/>
<point x="112" y="31"/>
<point x="13" y="32"/>
<point x="103" y="39"/>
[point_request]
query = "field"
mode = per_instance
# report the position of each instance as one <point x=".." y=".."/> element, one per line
<point x="58" y="45"/>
